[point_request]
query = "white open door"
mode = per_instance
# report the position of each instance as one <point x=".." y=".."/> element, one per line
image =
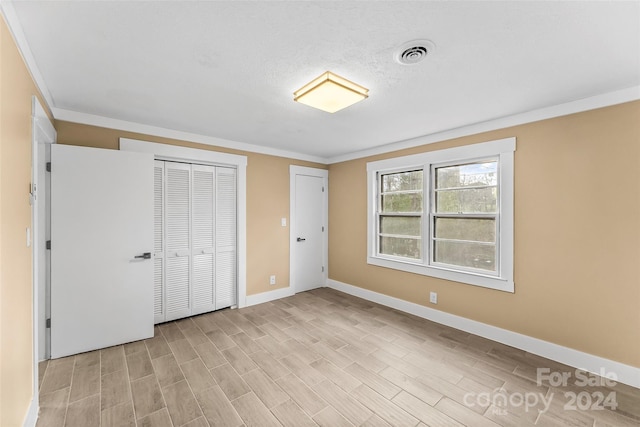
<point x="101" y="244"/>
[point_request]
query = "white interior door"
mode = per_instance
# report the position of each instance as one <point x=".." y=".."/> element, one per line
<point x="308" y="243"/>
<point x="159" y="296"/>
<point x="101" y="221"/>
<point x="226" y="238"/>
<point x="178" y="297"/>
<point x="195" y="244"/>
<point x="203" y="203"/>
<point x="44" y="260"/>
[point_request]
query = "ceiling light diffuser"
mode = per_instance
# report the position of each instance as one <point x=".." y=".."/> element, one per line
<point x="330" y="93"/>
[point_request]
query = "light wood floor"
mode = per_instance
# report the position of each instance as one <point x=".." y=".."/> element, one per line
<point x="317" y="358"/>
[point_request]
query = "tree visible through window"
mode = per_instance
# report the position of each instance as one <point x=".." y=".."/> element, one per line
<point x="401" y="214"/>
<point x="464" y="215"/>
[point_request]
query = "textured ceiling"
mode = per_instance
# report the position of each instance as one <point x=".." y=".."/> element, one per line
<point x="228" y="69"/>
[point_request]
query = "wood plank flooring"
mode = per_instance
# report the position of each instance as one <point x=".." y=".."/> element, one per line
<point x="320" y="358"/>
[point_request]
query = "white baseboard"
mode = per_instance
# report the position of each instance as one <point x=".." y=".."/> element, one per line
<point x="598" y="365"/>
<point x="32" y="414"/>
<point x="269" y="296"/>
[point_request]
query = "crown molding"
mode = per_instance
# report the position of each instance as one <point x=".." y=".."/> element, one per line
<point x="11" y="18"/>
<point x="580" y="105"/>
<point x="107" y="122"/>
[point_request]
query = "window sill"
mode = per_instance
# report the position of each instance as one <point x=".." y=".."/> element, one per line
<point x="491" y="282"/>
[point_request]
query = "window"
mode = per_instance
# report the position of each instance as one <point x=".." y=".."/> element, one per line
<point x="400" y="228"/>
<point x="447" y="214"/>
<point x="465" y="215"/>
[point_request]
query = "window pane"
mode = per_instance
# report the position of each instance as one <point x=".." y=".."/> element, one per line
<point x="473" y="174"/>
<point x="475" y="255"/>
<point x="402" y="202"/>
<point x="405" y="225"/>
<point x="404" y="247"/>
<point x="476" y="200"/>
<point x="479" y="230"/>
<point x="402" y="181"/>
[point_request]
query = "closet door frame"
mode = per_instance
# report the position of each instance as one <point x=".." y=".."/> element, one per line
<point x="205" y="157"/>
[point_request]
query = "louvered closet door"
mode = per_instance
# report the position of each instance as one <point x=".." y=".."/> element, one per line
<point x="225" y="241"/>
<point x="158" y="242"/>
<point x="178" y="246"/>
<point x="203" y="238"/>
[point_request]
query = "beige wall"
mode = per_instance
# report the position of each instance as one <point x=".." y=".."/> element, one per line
<point x="577" y="254"/>
<point x="16" y="337"/>
<point x="577" y="235"/>
<point x="267" y="200"/>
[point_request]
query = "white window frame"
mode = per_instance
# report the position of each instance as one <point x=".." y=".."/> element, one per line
<point x="502" y="150"/>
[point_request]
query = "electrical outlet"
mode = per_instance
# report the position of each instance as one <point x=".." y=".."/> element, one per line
<point x="433" y="297"/>
<point x="272" y="279"/>
<point x="283" y="222"/>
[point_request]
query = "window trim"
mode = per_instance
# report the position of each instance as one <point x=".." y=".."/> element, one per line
<point x="503" y="150"/>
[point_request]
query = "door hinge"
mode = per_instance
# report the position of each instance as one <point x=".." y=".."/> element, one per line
<point x="323" y="228"/>
<point x="323" y="189"/>
<point x="323" y="268"/>
<point x="32" y="193"/>
<point x="48" y="244"/>
<point x="48" y="324"/>
<point x="48" y="166"/>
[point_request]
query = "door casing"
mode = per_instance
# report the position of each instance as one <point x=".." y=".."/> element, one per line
<point x="42" y="135"/>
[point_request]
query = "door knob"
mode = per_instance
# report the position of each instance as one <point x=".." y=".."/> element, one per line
<point x="300" y="239"/>
<point x="146" y="255"/>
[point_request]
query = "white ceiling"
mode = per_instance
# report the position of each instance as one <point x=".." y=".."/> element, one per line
<point x="228" y="69"/>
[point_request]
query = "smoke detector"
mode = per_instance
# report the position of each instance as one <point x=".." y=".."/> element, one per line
<point x="414" y="51"/>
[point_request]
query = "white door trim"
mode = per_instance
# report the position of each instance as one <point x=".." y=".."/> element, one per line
<point x="320" y="173"/>
<point x="42" y="132"/>
<point x="193" y="155"/>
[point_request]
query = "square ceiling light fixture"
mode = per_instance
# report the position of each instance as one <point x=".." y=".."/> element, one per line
<point x="330" y="93"/>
